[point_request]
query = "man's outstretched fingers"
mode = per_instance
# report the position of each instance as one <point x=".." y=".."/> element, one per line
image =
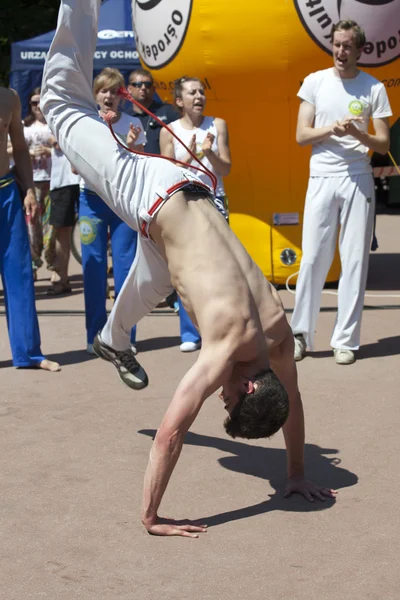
<point x="202" y="528"/>
<point x="329" y="492"/>
<point x="318" y="494"/>
<point x="170" y="527"/>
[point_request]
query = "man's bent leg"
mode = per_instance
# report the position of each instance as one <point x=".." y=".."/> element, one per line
<point x="147" y="283"/>
<point x="123" y="244"/>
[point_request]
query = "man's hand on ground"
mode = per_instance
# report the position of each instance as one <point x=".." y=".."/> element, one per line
<point x="185" y="528"/>
<point x="309" y="490"/>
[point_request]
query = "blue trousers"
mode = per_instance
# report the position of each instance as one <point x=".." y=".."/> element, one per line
<point x="17" y="278"/>
<point x="95" y="219"/>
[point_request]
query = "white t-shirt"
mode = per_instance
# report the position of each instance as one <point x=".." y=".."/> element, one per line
<point x="334" y="99"/>
<point x="39" y="134"/>
<point x="61" y="172"/>
<point x="207" y="126"/>
<point x="121" y="128"/>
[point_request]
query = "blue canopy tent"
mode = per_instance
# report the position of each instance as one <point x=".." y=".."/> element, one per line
<point x="115" y="48"/>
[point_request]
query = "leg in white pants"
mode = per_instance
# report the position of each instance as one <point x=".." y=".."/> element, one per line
<point x="356" y="220"/>
<point x="127" y="183"/>
<point x="69" y="108"/>
<point x="148" y="282"/>
<point x="320" y="227"/>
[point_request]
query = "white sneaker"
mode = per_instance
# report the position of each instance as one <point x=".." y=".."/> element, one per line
<point x="343" y="356"/>
<point x="134" y="349"/>
<point x="89" y="349"/>
<point x="300" y="347"/>
<point x="190" y="346"/>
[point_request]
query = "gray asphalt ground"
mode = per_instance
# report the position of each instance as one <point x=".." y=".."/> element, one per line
<point x="74" y="446"/>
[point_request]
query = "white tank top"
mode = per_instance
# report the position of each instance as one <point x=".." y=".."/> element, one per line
<point x="207" y="126"/>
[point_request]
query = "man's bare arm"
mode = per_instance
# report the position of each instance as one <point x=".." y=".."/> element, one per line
<point x="306" y="133"/>
<point x="22" y="159"/>
<point x="284" y="366"/>
<point x="378" y="141"/>
<point x="202" y="380"/>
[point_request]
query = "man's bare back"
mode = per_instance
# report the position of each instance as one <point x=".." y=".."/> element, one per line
<point x="222" y="289"/>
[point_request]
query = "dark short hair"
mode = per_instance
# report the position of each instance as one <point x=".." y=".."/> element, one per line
<point x="261" y="414"/>
<point x="142" y="72"/>
<point x="346" y="25"/>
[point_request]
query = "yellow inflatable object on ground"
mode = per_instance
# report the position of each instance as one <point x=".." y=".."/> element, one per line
<point x="252" y="58"/>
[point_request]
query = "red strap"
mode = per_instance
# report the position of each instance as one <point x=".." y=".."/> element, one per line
<point x="109" y="116"/>
<point x="168" y="192"/>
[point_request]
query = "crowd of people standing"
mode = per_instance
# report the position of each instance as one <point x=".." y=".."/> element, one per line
<point x="340" y="189"/>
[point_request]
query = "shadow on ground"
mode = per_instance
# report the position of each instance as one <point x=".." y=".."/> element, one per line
<point x="270" y="464"/>
<point x="72" y="357"/>
<point x="384" y="272"/>
<point x="158" y="343"/>
<point x="385" y="347"/>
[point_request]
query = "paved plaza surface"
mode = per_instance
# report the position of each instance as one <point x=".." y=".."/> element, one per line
<point x="74" y="446"/>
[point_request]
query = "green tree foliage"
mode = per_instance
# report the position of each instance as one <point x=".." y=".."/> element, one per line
<point x="21" y="20"/>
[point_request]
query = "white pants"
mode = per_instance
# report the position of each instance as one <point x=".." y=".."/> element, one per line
<point x="134" y="187"/>
<point x="332" y="201"/>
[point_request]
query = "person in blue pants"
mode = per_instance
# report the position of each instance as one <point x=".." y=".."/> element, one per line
<point x="95" y="219"/>
<point x="15" y="255"/>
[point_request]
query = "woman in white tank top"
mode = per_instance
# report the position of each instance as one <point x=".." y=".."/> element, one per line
<point x="207" y="138"/>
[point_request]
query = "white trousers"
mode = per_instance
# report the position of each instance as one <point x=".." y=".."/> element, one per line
<point x="348" y="202"/>
<point x="130" y="185"/>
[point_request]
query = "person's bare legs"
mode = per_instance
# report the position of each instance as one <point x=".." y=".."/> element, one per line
<point x="62" y="254"/>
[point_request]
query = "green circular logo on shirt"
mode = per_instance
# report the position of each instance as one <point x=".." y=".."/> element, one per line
<point x="356" y="107"/>
<point x="88" y="230"/>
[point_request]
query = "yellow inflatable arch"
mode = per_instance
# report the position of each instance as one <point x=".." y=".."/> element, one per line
<point x="252" y="58"/>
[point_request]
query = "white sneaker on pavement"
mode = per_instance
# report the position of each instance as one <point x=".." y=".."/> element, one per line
<point x="343" y="356"/>
<point x="190" y="346"/>
<point x="89" y="349"/>
<point x="300" y="347"/>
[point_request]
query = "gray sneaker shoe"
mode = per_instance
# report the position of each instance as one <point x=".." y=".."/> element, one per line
<point x="129" y="370"/>
<point x="344" y="356"/>
<point x="300" y="347"/>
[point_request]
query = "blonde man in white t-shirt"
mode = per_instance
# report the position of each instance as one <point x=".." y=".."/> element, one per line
<point x="336" y="106"/>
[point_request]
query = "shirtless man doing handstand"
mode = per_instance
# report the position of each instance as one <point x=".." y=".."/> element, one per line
<point x="247" y="346"/>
